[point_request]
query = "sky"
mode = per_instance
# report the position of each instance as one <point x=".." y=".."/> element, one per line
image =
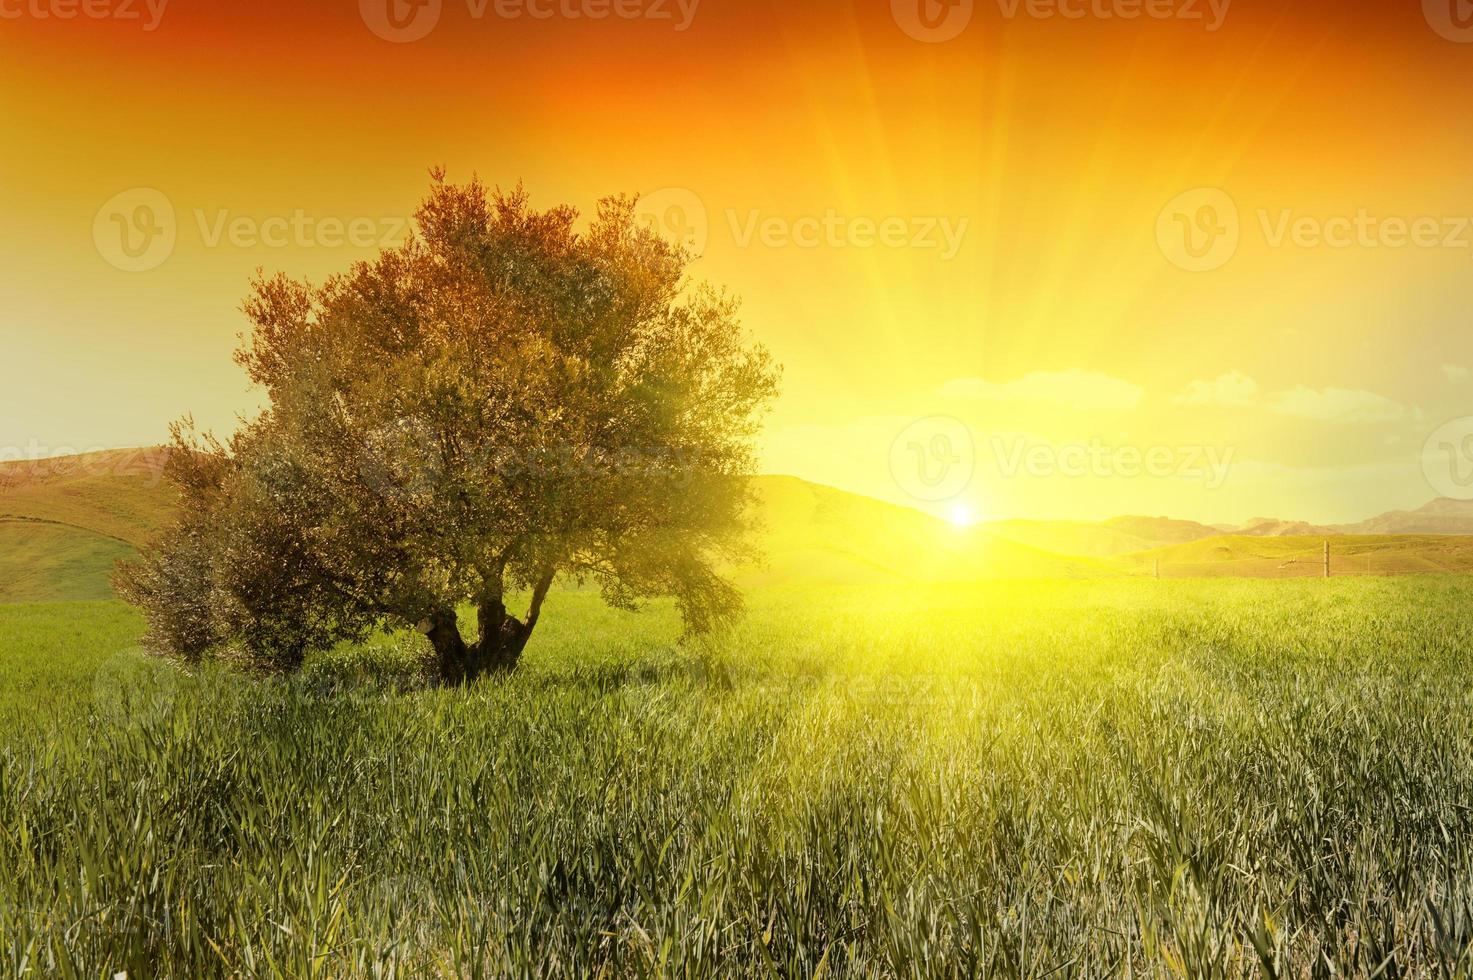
<point x="1019" y="258"/>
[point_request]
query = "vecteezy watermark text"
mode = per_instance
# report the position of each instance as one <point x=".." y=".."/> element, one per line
<point x="680" y="214"/>
<point x="297" y="229"/>
<point x="1021" y="456"/>
<point x="137" y="230"/>
<point x="35" y="459"/>
<point x="935" y="21"/>
<point x="404" y="21"/>
<point x="147" y="13"/>
<point x="834" y="230"/>
<point x="1201" y="230"/>
<point x="1211" y="13"/>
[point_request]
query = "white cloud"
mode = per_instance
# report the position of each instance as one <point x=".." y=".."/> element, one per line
<point x="1233" y="389"/>
<point x="1456" y="373"/>
<point x="1339" y="405"/>
<point x="1087" y="390"/>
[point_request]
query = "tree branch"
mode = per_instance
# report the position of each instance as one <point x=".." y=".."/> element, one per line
<point x="539" y="593"/>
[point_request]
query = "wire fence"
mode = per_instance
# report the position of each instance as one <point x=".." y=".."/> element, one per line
<point x="1323" y="560"/>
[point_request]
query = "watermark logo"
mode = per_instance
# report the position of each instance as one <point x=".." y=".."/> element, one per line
<point x="1451" y="19"/>
<point x="935" y="21"/>
<point x="407" y="901"/>
<point x="933" y="458"/>
<point x="932" y="21"/>
<point x="401" y="21"/>
<point x="1199" y="230"/>
<point x="1447" y="459"/>
<point x="136" y="231"/>
<point x="677" y="215"/>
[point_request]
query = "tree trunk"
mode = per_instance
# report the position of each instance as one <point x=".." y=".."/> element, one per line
<point x="450" y="647"/>
<point x="500" y="640"/>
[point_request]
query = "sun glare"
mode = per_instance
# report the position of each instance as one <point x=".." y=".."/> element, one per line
<point x="961" y="516"/>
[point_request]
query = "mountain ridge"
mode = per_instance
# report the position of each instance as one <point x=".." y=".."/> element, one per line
<point x="65" y="521"/>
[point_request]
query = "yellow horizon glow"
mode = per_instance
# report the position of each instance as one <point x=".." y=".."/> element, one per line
<point x="967" y="230"/>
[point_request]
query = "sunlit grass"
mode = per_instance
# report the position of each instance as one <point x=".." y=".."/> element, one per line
<point x="1228" y="778"/>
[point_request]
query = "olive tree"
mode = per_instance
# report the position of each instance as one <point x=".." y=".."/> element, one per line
<point x="503" y="401"/>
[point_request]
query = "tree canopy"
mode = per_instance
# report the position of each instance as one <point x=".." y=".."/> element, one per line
<point x="501" y="401"/>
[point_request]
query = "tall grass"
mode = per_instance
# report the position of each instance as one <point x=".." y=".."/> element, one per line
<point x="1176" y="778"/>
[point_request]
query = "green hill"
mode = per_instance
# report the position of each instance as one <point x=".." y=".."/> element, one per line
<point x="65" y="522"/>
<point x="42" y="562"/>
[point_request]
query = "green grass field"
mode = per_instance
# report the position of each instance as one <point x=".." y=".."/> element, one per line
<point x="52" y="562"/>
<point x="1220" y="778"/>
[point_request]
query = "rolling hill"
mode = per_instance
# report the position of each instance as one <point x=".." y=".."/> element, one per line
<point x="65" y="522"/>
<point x="119" y="494"/>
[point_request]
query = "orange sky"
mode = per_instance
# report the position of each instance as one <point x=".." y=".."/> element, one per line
<point x="1017" y="367"/>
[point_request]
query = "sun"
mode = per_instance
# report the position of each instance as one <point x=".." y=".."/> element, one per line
<point x="961" y="515"/>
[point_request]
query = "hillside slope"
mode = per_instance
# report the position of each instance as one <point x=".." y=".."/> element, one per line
<point x="119" y="494"/>
<point x="64" y="523"/>
<point x="42" y="562"/>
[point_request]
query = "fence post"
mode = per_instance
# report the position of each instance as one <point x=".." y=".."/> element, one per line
<point x="1327" y="559"/>
<point x="1158" y="568"/>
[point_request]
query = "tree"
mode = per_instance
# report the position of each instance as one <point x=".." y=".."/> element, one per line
<point x="499" y="402"/>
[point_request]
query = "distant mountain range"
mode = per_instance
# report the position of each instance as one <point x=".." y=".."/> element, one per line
<point x="1127" y="535"/>
<point x="64" y="523"/>
<point x="1441" y="516"/>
